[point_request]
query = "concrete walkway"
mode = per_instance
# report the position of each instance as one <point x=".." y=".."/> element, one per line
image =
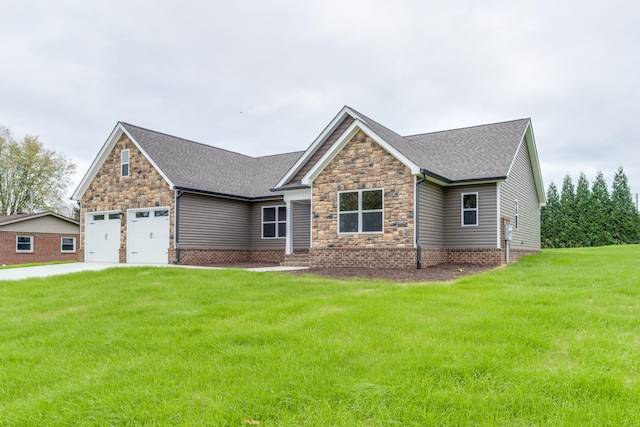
<point x="58" y="269"/>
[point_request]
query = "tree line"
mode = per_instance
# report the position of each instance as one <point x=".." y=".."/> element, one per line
<point x="587" y="215"/>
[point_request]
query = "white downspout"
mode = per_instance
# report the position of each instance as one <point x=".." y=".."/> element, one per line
<point x="289" y="238"/>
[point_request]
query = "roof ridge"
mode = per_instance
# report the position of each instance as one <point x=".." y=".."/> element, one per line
<point x="378" y="123"/>
<point x="188" y="140"/>
<point x="280" y="154"/>
<point x="468" y="127"/>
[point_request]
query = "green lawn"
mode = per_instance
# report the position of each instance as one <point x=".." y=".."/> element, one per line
<point x="552" y="340"/>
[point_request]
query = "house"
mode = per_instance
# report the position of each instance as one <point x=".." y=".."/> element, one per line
<point x="38" y="237"/>
<point x="359" y="195"/>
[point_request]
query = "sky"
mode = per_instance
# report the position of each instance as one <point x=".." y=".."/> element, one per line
<point x="266" y="77"/>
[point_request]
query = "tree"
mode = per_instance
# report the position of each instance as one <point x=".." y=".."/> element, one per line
<point x="549" y="216"/>
<point x="624" y="216"/>
<point x="567" y="221"/>
<point x="32" y="178"/>
<point x="600" y="213"/>
<point x="583" y="199"/>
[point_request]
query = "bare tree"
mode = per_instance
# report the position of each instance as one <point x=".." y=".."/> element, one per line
<point x="32" y="178"/>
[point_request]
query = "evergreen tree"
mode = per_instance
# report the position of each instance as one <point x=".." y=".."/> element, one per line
<point x="567" y="220"/>
<point x="583" y="196"/>
<point x="624" y="216"/>
<point x="549" y="216"/>
<point x="600" y="213"/>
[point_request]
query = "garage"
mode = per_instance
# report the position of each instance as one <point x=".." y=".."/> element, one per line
<point x="148" y="236"/>
<point x="102" y="230"/>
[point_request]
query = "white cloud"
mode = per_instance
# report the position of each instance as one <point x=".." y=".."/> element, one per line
<point x="267" y="76"/>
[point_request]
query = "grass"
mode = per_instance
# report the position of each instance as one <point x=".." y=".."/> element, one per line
<point x="35" y="264"/>
<point x="551" y="340"/>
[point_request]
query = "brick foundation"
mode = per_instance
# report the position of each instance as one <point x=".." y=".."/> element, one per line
<point x="363" y="257"/>
<point x="431" y="257"/>
<point x="47" y="247"/>
<point x="476" y="256"/>
<point x="202" y="256"/>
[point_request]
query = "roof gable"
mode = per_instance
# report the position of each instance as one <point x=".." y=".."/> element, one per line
<point x="193" y="166"/>
<point x="478" y="153"/>
<point x="484" y="152"/>
<point x="339" y="144"/>
<point x="104" y="152"/>
<point x="23" y="217"/>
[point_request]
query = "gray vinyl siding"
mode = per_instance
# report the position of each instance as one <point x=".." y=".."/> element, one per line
<point x="257" y="242"/>
<point x="213" y="222"/>
<point x="301" y="225"/>
<point x="484" y="235"/>
<point x="431" y="215"/>
<point x="323" y="148"/>
<point x="520" y="186"/>
<point x="45" y="224"/>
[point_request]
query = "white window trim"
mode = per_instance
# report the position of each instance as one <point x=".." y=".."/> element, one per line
<point x="31" y="244"/>
<point x="276" y="222"/>
<point x="476" y="209"/>
<point x="62" y="244"/>
<point x="359" y="211"/>
<point x="516" y="215"/>
<point x="128" y="162"/>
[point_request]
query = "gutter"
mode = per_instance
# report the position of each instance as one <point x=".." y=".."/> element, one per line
<point x="177" y="226"/>
<point x="417" y="219"/>
<point x="227" y="196"/>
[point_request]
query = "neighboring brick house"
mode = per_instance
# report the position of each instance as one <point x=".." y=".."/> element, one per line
<point x="360" y="195"/>
<point x="40" y="237"/>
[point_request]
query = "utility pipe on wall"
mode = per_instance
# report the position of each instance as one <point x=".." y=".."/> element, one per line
<point x="417" y="218"/>
<point x="175" y="231"/>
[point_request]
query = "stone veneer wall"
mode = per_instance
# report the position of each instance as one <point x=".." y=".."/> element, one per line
<point x="362" y="164"/>
<point x="144" y="187"/>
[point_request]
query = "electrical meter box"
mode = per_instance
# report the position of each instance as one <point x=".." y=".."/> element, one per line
<point x="508" y="232"/>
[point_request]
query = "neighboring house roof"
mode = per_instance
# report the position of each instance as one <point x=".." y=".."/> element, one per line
<point x="12" y="219"/>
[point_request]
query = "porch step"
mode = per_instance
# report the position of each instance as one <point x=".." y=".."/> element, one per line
<point x="296" y="260"/>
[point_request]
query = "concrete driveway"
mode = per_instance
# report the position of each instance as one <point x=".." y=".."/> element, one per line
<point x="52" y="270"/>
<point x="57" y="269"/>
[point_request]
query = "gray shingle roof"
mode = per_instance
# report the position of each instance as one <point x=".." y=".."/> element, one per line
<point x="196" y="166"/>
<point x="472" y="153"/>
<point x="467" y="154"/>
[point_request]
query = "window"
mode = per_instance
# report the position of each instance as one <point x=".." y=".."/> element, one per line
<point x="469" y="209"/>
<point x="24" y="244"/>
<point x="114" y="216"/>
<point x="142" y="214"/>
<point x="163" y="212"/>
<point x="124" y="162"/>
<point x="68" y="244"/>
<point x="360" y="211"/>
<point x="516" y="218"/>
<point x="274" y="222"/>
<point x="98" y="217"/>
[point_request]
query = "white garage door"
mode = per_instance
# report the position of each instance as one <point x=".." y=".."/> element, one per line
<point x="102" y="238"/>
<point x="148" y="236"/>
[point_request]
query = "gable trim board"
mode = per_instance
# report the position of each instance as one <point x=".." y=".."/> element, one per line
<point x="104" y="152"/>
<point x="461" y="160"/>
<point x="326" y="132"/>
<point x="337" y="146"/>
